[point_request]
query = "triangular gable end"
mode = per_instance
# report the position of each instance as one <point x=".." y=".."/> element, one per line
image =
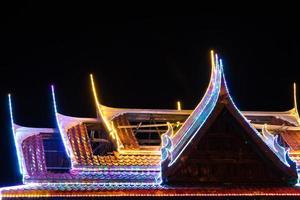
<point x="224" y="149"/>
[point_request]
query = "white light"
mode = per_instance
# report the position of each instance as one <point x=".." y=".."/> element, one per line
<point x="58" y="123"/>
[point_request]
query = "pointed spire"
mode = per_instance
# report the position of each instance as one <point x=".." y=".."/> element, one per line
<point x="216" y="93"/>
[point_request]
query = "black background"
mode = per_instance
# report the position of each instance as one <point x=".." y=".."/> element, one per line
<point x="137" y="61"/>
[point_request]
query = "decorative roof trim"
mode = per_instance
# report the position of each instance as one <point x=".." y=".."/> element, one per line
<point x="21" y="133"/>
<point x="186" y="133"/>
<point x="107" y="123"/>
<point x="222" y="94"/>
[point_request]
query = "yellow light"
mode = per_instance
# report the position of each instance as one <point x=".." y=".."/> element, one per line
<point x="295" y="96"/>
<point x="94" y="90"/>
<point x="178" y="105"/>
<point x="212" y="58"/>
<point x="295" y="103"/>
<point x="107" y="124"/>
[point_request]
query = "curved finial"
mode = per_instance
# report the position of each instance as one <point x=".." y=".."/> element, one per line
<point x="53" y="99"/>
<point x="281" y="151"/>
<point x="268" y="138"/>
<point x="197" y="118"/>
<point x="64" y="139"/>
<point x="108" y="124"/>
<point x="94" y="91"/>
<point x="14" y="133"/>
<point x="295" y="96"/>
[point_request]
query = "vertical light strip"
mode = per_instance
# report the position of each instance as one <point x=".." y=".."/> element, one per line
<point x="14" y="133"/>
<point x="212" y="95"/>
<point x="178" y="105"/>
<point x="217" y="63"/>
<point x="295" y="96"/>
<point x="295" y="103"/>
<point x="58" y="123"/>
<point x="94" y="90"/>
<point x="212" y="58"/>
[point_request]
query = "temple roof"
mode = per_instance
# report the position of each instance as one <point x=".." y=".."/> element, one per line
<point x="178" y="146"/>
<point x="134" y="167"/>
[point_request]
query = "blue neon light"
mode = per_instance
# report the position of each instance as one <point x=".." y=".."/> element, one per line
<point x="14" y="134"/>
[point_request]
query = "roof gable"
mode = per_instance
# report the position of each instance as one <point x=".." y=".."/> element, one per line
<point x="176" y="149"/>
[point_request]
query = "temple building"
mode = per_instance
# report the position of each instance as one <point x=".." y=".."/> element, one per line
<point x="213" y="151"/>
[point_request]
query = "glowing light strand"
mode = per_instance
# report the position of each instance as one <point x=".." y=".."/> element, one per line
<point x="191" y="119"/>
<point x="96" y="190"/>
<point x="296" y="113"/>
<point x="178" y="105"/>
<point x="14" y="134"/>
<point x="202" y="112"/>
<point x="63" y="137"/>
<point x="109" y="126"/>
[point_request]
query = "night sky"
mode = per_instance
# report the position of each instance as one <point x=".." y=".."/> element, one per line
<point x="138" y="62"/>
